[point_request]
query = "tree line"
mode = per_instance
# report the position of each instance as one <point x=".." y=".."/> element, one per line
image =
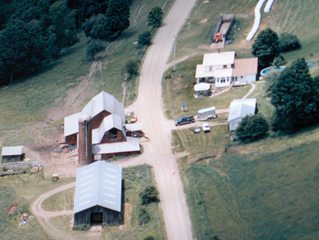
<point x="33" y="32"/>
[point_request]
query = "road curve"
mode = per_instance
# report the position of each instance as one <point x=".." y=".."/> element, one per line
<point x="149" y="109"/>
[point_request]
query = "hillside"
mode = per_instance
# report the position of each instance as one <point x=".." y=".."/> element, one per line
<point x="263" y="190"/>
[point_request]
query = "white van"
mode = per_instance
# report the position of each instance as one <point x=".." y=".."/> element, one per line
<point x="206" y="114"/>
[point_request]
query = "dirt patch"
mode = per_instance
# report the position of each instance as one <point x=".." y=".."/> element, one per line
<point x="203" y="21"/>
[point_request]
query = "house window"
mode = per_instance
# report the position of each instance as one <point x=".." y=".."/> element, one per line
<point x="222" y="80"/>
<point x="224" y="66"/>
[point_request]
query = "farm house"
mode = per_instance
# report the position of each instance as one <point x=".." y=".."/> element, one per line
<point x="221" y="69"/>
<point x="98" y="194"/>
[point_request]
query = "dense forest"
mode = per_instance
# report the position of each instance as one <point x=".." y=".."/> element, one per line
<point x="33" y="32"/>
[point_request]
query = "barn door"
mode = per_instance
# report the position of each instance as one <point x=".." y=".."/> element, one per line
<point x="96" y="218"/>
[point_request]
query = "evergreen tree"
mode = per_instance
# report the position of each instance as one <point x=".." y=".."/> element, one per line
<point x="266" y="47"/>
<point x="118" y="16"/>
<point x="154" y="18"/>
<point x="295" y="96"/>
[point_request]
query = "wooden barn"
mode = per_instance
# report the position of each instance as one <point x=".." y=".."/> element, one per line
<point x="98" y="198"/>
<point x="12" y="154"/>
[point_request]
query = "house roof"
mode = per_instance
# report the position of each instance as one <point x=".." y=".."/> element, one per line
<point x="221" y="58"/>
<point x="131" y="145"/>
<point x="203" y="71"/>
<point x="12" y="151"/>
<point x="101" y="102"/>
<point x="108" y="123"/>
<point x="240" y="108"/>
<point x="201" y="87"/>
<point x="245" y="66"/>
<point x="99" y="183"/>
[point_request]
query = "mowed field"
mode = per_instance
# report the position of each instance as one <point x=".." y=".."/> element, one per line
<point x="262" y="190"/>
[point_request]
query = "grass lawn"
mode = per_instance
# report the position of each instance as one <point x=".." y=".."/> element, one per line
<point x="21" y="189"/>
<point x="252" y="191"/>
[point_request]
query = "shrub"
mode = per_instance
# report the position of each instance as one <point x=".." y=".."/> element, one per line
<point x="279" y="61"/>
<point x="93" y="48"/>
<point x="149" y="195"/>
<point x="288" y="42"/>
<point x="144" y="39"/>
<point x="131" y="68"/>
<point x="149" y="238"/>
<point x="143" y="216"/>
<point x="252" y="128"/>
<point x="154" y="18"/>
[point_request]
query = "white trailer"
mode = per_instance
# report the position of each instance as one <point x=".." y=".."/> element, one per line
<point x="206" y="114"/>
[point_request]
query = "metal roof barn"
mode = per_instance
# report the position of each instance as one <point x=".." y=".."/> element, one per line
<point x="98" y="194"/>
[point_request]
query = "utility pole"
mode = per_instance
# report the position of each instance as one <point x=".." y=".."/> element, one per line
<point x="174" y="53"/>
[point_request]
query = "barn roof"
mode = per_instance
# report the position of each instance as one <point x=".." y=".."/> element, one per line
<point x="108" y="123"/>
<point x="104" y="102"/>
<point x="99" y="183"/>
<point x="12" y="151"/>
<point x="240" y="108"/>
<point x="101" y="102"/>
<point x="130" y="145"/>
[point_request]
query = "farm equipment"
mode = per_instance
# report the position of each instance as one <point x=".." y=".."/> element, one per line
<point x="218" y="37"/>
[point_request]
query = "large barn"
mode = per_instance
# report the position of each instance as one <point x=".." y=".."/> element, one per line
<point x="98" y="196"/>
<point x="108" y="129"/>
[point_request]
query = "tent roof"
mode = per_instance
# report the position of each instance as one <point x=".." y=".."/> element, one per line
<point x="201" y="87"/>
<point x="99" y="183"/>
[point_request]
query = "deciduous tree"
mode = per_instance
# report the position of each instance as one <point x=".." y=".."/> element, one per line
<point x="154" y="18"/>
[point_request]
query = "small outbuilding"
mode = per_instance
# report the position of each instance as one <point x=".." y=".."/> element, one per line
<point x="12" y="154"/>
<point x="98" y="194"/>
<point x="202" y="89"/>
<point x="239" y="109"/>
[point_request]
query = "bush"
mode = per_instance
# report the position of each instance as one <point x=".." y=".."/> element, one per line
<point x="154" y="18"/>
<point x="144" y="39"/>
<point x="93" y="48"/>
<point x="288" y="42"/>
<point x="149" y="238"/>
<point x="131" y="68"/>
<point x="279" y="61"/>
<point x="149" y="195"/>
<point x="143" y="216"/>
<point x="252" y="128"/>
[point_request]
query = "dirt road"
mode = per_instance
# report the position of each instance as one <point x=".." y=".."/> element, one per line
<point x="149" y="109"/>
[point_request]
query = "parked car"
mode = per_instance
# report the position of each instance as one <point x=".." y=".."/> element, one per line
<point x="205" y="127"/>
<point x="197" y="130"/>
<point x="184" y="120"/>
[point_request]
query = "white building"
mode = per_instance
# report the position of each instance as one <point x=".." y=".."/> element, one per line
<point x="239" y="109"/>
<point x="223" y="70"/>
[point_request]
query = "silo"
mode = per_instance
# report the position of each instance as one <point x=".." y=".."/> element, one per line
<point x="85" y="155"/>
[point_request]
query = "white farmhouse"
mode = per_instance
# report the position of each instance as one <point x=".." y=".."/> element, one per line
<point x="223" y="70"/>
<point x="239" y="109"/>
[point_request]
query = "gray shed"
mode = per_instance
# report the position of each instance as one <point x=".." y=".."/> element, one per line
<point x="239" y="109"/>
<point x="98" y="194"/>
<point x="12" y="154"/>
